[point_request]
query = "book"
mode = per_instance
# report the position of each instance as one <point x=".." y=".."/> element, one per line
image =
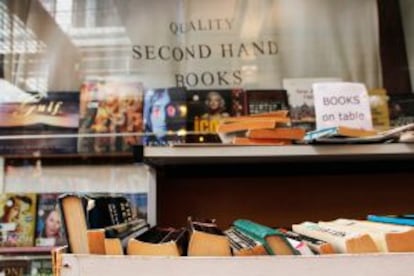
<point x="159" y="241"/>
<point x="139" y="204"/>
<point x="49" y="224"/>
<point x="317" y="246"/>
<point x="109" y="111"/>
<point x="387" y="238"/>
<point x="342" y="241"/>
<point x="41" y="266"/>
<point x="15" y="266"/>
<point x="237" y="140"/>
<point x="113" y="240"/>
<point x="251" y="123"/>
<point x="124" y="232"/>
<point x="273" y="240"/>
<point x="243" y="245"/>
<point x="328" y="135"/>
<point x="264" y="101"/>
<point x="207" y="107"/>
<point x="300" y="98"/>
<point x="393" y="219"/>
<point x="165" y="116"/>
<point x="401" y="109"/>
<point x="75" y="222"/>
<point x="103" y="210"/>
<point x="378" y="101"/>
<point x="17" y="219"/>
<point x="293" y="133"/>
<point x="51" y="113"/>
<point x="338" y="131"/>
<point x="207" y="239"/>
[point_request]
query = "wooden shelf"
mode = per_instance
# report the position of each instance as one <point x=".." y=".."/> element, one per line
<point x="214" y="154"/>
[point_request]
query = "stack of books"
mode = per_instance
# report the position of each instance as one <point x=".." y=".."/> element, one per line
<point x="271" y="128"/>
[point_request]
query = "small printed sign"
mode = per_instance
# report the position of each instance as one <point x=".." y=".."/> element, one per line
<point x="342" y="104"/>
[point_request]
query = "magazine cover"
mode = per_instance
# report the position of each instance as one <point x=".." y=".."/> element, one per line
<point x="17" y="219"/>
<point x="207" y="107"/>
<point x="109" y="110"/>
<point x="49" y="226"/>
<point x="41" y="114"/>
<point x="165" y="115"/>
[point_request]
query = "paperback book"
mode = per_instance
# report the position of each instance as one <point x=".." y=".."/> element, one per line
<point x="301" y="102"/>
<point x="264" y="101"/>
<point x="40" y="116"/>
<point x="165" y="115"/>
<point x="17" y="219"/>
<point x="49" y="224"/>
<point x="110" y="116"/>
<point x="207" y="107"/>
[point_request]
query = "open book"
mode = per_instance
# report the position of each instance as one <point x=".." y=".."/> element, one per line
<point x="336" y="135"/>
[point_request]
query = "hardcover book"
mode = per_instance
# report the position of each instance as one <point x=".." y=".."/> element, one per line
<point x="17" y="219"/>
<point x="54" y="113"/>
<point x="207" y="107"/>
<point x="165" y="115"/>
<point x="300" y="97"/>
<point x="92" y="211"/>
<point x="49" y="224"/>
<point x="273" y="240"/>
<point x="159" y="241"/>
<point x="110" y="116"/>
<point x="207" y="239"/>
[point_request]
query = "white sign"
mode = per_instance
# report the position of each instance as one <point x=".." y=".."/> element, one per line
<point x="342" y="104"/>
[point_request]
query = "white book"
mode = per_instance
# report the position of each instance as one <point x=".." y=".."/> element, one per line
<point x="342" y="241"/>
<point x="388" y="237"/>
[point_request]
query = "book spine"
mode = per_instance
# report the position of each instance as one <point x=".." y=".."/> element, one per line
<point x="391" y="220"/>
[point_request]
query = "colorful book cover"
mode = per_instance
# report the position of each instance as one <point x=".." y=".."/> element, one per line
<point x="262" y="101"/>
<point x="139" y="204"/>
<point x="165" y="115"/>
<point x="401" y="108"/>
<point x="109" y="111"/>
<point x="393" y="219"/>
<point x="54" y="113"/>
<point x="300" y="97"/>
<point x="207" y="107"/>
<point x="49" y="225"/>
<point x="17" y="219"/>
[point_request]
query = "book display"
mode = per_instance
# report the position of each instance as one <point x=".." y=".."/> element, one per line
<point x="229" y="138"/>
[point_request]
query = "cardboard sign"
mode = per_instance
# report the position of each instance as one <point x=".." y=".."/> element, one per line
<point x="342" y="104"/>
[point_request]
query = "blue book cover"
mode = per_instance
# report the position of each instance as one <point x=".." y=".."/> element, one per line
<point x="393" y="219"/>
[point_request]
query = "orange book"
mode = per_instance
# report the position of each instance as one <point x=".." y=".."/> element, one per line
<point x="252" y="141"/>
<point x="281" y="115"/>
<point x="251" y="123"/>
<point x="277" y="133"/>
